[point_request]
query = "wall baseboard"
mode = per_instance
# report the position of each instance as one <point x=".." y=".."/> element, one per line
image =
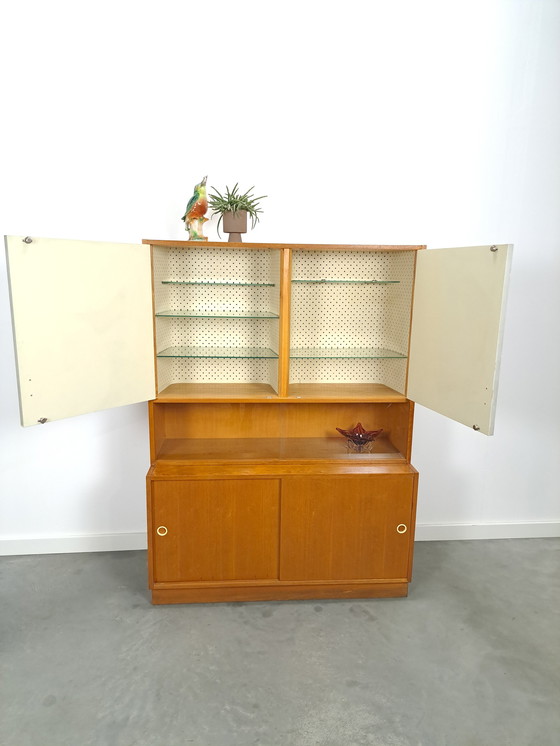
<point x="457" y="531"/>
<point x="131" y="541"/>
<point x="73" y="544"/>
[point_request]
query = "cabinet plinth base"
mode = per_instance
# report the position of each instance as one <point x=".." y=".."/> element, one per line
<point x="278" y="592"/>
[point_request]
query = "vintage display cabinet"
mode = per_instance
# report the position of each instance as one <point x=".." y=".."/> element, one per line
<point x="261" y="351"/>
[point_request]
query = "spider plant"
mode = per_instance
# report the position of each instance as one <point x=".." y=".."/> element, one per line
<point x="233" y="201"/>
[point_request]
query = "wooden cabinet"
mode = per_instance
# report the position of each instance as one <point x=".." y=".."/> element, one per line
<point x="261" y="352"/>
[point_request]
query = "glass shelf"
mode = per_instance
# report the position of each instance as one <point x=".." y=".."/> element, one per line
<point x="218" y="352"/>
<point x="352" y="282"/>
<point x="344" y="352"/>
<point x="219" y="314"/>
<point x="218" y="282"/>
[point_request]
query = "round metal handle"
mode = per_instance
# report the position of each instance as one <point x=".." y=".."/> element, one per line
<point x="401" y="528"/>
<point x="161" y="530"/>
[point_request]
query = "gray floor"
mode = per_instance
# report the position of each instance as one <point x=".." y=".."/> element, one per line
<point x="469" y="659"/>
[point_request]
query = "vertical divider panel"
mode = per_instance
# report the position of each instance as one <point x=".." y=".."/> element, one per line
<point x="285" y="298"/>
<point x="274" y="263"/>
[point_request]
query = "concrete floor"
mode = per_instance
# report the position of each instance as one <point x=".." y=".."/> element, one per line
<point x="469" y="659"/>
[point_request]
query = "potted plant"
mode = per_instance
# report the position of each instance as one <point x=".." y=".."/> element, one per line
<point x="233" y="208"/>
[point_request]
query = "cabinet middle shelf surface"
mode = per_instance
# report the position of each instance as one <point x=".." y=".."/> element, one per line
<point x="272" y="449"/>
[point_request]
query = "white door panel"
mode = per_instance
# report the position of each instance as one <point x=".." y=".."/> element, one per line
<point x="83" y="326"/>
<point x="457" y="324"/>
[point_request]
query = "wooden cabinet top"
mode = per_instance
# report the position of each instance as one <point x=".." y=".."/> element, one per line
<point x="295" y="246"/>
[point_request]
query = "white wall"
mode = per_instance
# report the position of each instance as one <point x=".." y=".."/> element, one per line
<point x="365" y="122"/>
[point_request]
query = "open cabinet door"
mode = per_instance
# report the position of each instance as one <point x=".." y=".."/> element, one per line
<point x="457" y="323"/>
<point x="83" y="325"/>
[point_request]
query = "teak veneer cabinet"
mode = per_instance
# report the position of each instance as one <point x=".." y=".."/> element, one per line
<point x="261" y="352"/>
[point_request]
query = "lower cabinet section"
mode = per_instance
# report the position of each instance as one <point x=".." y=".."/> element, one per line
<point x="289" y="537"/>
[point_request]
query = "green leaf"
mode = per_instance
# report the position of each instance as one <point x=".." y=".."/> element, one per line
<point x="234" y="201"/>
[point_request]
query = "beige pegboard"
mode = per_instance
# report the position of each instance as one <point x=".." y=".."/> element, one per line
<point x="216" y="332"/>
<point x="237" y="284"/>
<point x="368" y="308"/>
<point x="390" y="372"/>
<point x="218" y="370"/>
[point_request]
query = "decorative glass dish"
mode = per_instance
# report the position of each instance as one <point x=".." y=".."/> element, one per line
<point x="359" y="440"/>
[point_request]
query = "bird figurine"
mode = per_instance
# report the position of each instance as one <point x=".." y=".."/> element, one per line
<point x="195" y="212"/>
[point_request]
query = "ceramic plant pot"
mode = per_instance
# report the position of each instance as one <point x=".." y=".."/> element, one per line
<point x="235" y="223"/>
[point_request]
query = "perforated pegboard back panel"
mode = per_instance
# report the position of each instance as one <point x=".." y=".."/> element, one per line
<point x="220" y="370"/>
<point x="238" y="284"/>
<point x="400" y="301"/>
<point x="390" y="372"/>
<point x="165" y="373"/>
<point x="354" y="312"/>
<point x="216" y="332"/>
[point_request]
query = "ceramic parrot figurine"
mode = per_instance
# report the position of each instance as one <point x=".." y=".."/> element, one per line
<point x="195" y="212"/>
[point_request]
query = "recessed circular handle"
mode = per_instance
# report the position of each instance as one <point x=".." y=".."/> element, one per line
<point x="402" y="529"/>
<point x="161" y="530"/>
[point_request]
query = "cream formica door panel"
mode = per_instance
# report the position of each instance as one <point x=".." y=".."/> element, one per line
<point x="83" y="326"/>
<point x="457" y="325"/>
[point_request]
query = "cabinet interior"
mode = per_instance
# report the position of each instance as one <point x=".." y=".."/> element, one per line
<point x="264" y="432"/>
<point x="350" y="317"/>
<point x="266" y="322"/>
<point x="217" y="316"/>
